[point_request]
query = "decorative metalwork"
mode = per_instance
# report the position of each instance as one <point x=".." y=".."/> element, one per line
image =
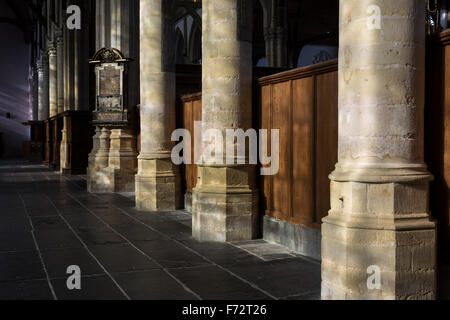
<point x="106" y="55"/>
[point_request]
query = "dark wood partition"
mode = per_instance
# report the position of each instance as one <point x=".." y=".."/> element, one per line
<point x="303" y="105"/>
<point x="35" y="147"/>
<point x="79" y="140"/>
<point x="437" y="137"/>
<point x="191" y="109"/>
<point x="48" y="146"/>
<point x="56" y="127"/>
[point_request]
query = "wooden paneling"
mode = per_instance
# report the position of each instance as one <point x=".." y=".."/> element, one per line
<point x="281" y="183"/>
<point x="303" y="105"/>
<point x="37" y="135"/>
<point x="48" y="147"/>
<point x="303" y="139"/>
<point x="326" y="138"/>
<point x="57" y="126"/>
<point x="437" y="136"/>
<point x="79" y="141"/>
<point x="191" y="108"/>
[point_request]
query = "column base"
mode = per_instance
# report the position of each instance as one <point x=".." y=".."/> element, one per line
<point x="122" y="161"/>
<point x="188" y="201"/>
<point x="157" y="186"/>
<point x="109" y="180"/>
<point x="383" y="226"/>
<point x="224" y="207"/>
<point x="99" y="180"/>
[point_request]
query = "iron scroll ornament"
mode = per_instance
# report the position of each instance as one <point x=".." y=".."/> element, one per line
<point x="108" y="55"/>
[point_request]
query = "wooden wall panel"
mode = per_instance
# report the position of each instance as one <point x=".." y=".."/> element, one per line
<point x="326" y="139"/>
<point x="303" y="146"/>
<point x="303" y="104"/>
<point x="281" y="183"/>
<point x="266" y="123"/>
<point x="437" y="137"/>
<point x="191" y="107"/>
<point x="196" y="116"/>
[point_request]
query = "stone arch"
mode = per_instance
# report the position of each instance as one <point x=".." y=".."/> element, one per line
<point x="195" y="44"/>
<point x="179" y="47"/>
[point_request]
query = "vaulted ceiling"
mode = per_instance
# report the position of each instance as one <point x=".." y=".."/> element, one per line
<point x="23" y="14"/>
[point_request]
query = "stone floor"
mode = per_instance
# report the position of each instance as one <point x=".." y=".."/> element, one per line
<point x="48" y="222"/>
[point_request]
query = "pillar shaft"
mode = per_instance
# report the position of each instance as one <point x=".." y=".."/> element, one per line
<point x="157" y="180"/>
<point x="53" y="85"/>
<point x="43" y="108"/>
<point x="224" y="201"/>
<point x="60" y="71"/>
<point x="379" y="217"/>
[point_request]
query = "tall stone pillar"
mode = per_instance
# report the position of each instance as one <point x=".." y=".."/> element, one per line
<point x="53" y="84"/>
<point x="157" y="181"/>
<point x="43" y="109"/>
<point x="225" y="201"/>
<point x="276" y="46"/>
<point x="60" y="71"/>
<point x="378" y="241"/>
<point x="35" y="82"/>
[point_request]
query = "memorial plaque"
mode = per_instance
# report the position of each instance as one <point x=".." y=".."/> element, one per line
<point x="109" y="81"/>
<point x="110" y="109"/>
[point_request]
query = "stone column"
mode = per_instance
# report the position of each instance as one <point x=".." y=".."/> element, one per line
<point x="53" y="80"/>
<point x="60" y="71"/>
<point x="225" y="201"/>
<point x="43" y="110"/>
<point x="35" y="81"/>
<point x="157" y="181"/>
<point x="276" y="46"/>
<point x="379" y="226"/>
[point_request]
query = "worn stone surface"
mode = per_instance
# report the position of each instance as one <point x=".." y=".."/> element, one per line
<point x="122" y="160"/>
<point x="98" y="178"/>
<point x="49" y="222"/>
<point x="379" y="190"/>
<point x="305" y="241"/>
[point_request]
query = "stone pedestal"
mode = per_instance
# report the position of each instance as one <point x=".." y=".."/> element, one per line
<point x="98" y="175"/>
<point x="157" y="185"/>
<point x="122" y="162"/>
<point x="224" y="206"/>
<point x="225" y="202"/>
<point x="378" y="241"/>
